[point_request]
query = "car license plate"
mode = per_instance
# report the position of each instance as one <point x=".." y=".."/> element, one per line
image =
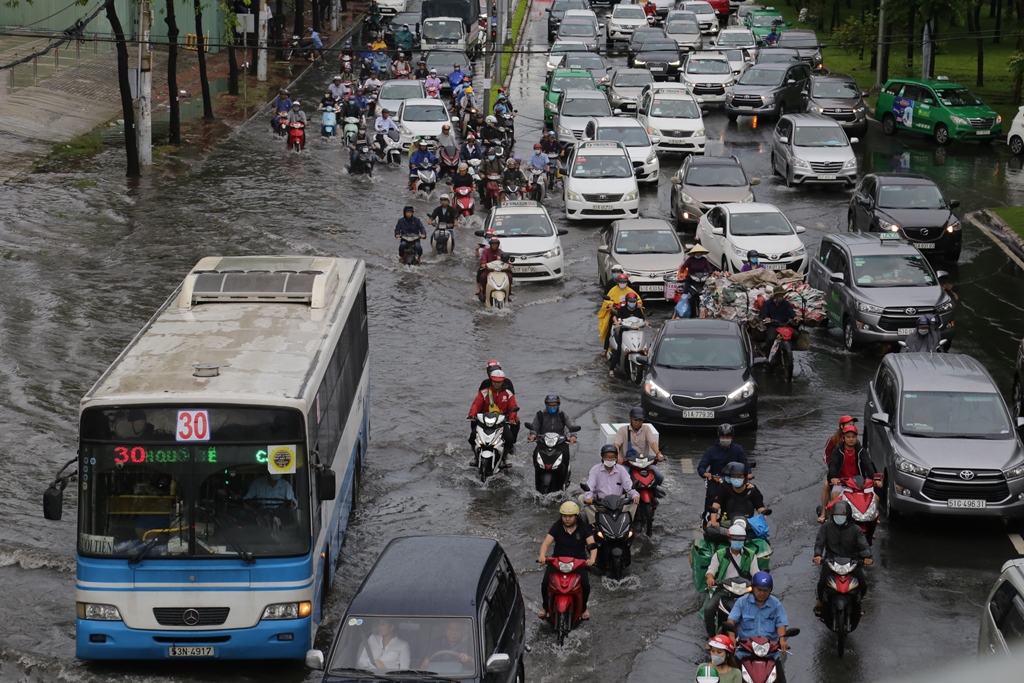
<point x="698" y="415"/>
<point x="983" y="132"/>
<point x="652" y="288"/>
<point x="190" y="651"/>
<point x="525" y="269"/>
<point x="602" y="207"/>
<point x="776" y="266"/>
<point x="924" y="245"/>
<point x="826" y="176"/>
<point x="657" y="68"/>
<point x="970" y="503"/>
<point x="904" y="331"/>
<point x="745" y="106"/>
<point x="675" y="141"/>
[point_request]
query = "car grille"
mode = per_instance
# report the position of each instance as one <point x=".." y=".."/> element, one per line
<point x="984" y="123"/>
<point x="694" y="402"/>
<point x="826" y="166"/>
<point x="578" y="134"/>
<point x="602" y="198"/>
<point x="924" y="234"/>
<point x="704" y="25"/>
<point x="840" y="114"/>
<point x="708" y="89"/>
<point x="747" y="100"/>
<point x="677" y="133"/>
<point x="943" y="484"/>
<point x="197" y="616"/>
<point x="595" y="212"/>
<point x="894" y="319"/>
<point x="638" y="164"/>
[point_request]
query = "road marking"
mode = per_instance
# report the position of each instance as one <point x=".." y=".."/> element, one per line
<point x="1017" y="542"/>
<point x="687" y="466"/>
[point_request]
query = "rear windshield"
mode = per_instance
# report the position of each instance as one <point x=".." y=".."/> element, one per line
<point x="590" y="106"/>
<point x="835" y="90"/>
<point x="954" y="414"/>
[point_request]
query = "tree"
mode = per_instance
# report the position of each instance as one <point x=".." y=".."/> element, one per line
<point x="131" y="145"/>
<point x="231" y="23"/>
<point x="201" y="54"/>
<point x="1015" y="66"/>
<point x="174" y="128"/>
<point x="974" y="26"/>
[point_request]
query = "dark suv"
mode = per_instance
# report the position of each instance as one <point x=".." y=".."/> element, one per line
<point x="557" y="11"/>
<point x="767" y="90"/>
<point x="837" y="97"/>
<point x="431" y="591"/>
<point x="806" y="44"/>
<point x="910" y="205"/>
<point x="706" y="181"/>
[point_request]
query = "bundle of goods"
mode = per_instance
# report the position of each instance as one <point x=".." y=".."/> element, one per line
<point x="739" y="297"/>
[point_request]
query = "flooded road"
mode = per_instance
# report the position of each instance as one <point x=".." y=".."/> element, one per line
<point x="86" y="261"/>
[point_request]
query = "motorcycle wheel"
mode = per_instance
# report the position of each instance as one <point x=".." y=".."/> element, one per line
<point x="839" y="622"/>
<point x="786" y="356"/>
<point x="563" y="624"/>
<point x="635" y="374"/>
<point x="617" y="568"/>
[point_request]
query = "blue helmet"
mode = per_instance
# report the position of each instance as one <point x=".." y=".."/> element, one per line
<point x="762" y="580"/>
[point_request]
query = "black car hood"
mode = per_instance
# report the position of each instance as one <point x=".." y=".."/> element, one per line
<point x="917" y="218"/>
<point x="718" y="382"/>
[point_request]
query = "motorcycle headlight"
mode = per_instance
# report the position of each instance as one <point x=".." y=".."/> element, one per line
<point x="761" y="649"/>
<point x="851" y="163"/>
<point x="888" y="226"/>
<point x="959" y="121"/>
<point x="552" y="253"/>
<point x="868" y="308"/>
<point x="800" y="163"/>
<point x="652" y="157"/>
<point x="953" y="225"/>
<point x="749" y="198"/>
<point x="1015" y="473"/>
<point x="631" y="195"/>
<point x="573" y="196"/>
<point x="904" y="465"/>
<point x="744" y="392"/>
<point x="946" y="305"/>
<point x="654" y="391"/>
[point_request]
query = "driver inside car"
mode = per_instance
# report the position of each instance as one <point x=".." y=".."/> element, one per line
<point x="267" y="490"/>
<point x="453" y="644"/>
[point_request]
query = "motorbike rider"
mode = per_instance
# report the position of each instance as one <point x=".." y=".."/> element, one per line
<point x="759" y="613"/>
<point x="460" y="89"/>
<point x="373" y="83"/>
<point x="424" y="152"/>
<point x="539" y="161"/>
<point x="379" y="46"/>
<point x="462" y="178"/>
<point x="456" y="76"/>
<point x="737" y="559"/>
<point x="422" y="73"/>
<point x="650" y="9"/>
<point x="382" y="126"/>
<point x="347" y="51"/>
<point x="753" y="261"/>
<point x="443" y="214"/>
<point x="712" y="463"/>
<point x="630" y="308"/>
<point x="490" y="134"/>
<point x="552" y="420"/>
<point x="471" y="149"/>
<point x="446" y="139"/>
<point x="296" y="115"/>
<point x="833" y="441"/>
<point x="401" y="68"/>
<point x="925" y="339"/>
<point x="432" y="81"/>
<point x="463" y="97"/>
<point x="615" y="297"/>
<point x="850" y="459"/>
<point x="571" y="537"/>
<point x="374" y="16"/>
<point x="350" y="109"/>
<point x="736" y="497"/>
<point x="608" y="478"/>
<point x="476" y="124"/>
<point x="696" y="262"/>
<point x="636" y="438"/>
<point x="338" y="89"/>
<point x="841" y="538"/>
<point x="512" y="176"/>
<point x="361" y="138"/>
<point x="773" y="36"/>
<point x="503" y="110"/>
<point x="409" y="225"/>
<point x="282" y="107"/>
<point x="551" y="146"/>
<point x="722" y="652"/>
<point x="776" y="312"/>
<point x="492" y="253"/>
<point x="497" y="399"/>
<point x="491" y="165"/>
<point x="328" y="101"/>
<point x="404" y="39"/>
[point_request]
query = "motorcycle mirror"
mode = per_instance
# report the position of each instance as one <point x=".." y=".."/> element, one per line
<point x="479" y="233"/>
<point x="575" y="428"/>
<point x="528" y="425"/>
<point x="954" y="204"/>
<point x="902" y="344"/>
<point x="562" y="232"/>
<point x="790" y="632"/>
<point x="768" y="511"/>
<point x="583" y="485"/>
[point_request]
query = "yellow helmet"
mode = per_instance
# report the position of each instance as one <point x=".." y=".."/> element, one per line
<point x="569" y="508"/>
<point x="469" y="91"/>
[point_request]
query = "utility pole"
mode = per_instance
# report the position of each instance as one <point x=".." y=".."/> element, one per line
<point x="261" y="44"/>
<point x="881" y="39"/>
<point x="335" y="11"/>
<point x="144" y="131"/>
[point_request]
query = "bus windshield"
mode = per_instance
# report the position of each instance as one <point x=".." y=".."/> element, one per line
<point x="242" y="492"/>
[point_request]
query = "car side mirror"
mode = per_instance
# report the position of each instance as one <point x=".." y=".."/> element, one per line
<point x="854" y="141"/>
<point x="455" y="119"/>
<point x="838" y="278"/>
<point x="790" y="81"/>
<point x="881" y="419"/>
<point x="676" y="180"/>
<point x="718" y="231"/>
<point x="546" y="10"/>
<point x="617" y="112"/>
<point x="315" y="660"/>
<point x="327" y="484"/>
<point x="562" y="232"/>
<point x="1020" y="422"/>
<point x="955" y="204"/>
<point x="603" y="248"/>
<point x="800" y="229"/>
<point x="755" y="181"/>
<point x="544" y="88"/>
<point x="941" y="274"/>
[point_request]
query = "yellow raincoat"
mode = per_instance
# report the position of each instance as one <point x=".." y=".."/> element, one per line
<point x="613" y="299"/>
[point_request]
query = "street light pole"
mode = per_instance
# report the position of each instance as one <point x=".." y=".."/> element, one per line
<point x="881" y="39"/>
<point x="144" y="131"/>
<point x="261" y="44"/>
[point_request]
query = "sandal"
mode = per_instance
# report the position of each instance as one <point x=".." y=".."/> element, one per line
<point x="585" y="616"/>
<point x="821" y="520"/>
<point x="543" y="614"/>
<point x="818" y="610"/>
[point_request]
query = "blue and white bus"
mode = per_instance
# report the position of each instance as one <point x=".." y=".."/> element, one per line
<point x="218" y="462"/>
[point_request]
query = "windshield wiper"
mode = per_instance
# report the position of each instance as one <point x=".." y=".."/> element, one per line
<point x="143" y="551"/>
<point x="235" y="545"/>
<point x="433" y="675"/>
<point x="365" y="673"/>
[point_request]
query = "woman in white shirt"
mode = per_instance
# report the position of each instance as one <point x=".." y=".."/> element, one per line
<point x="386" y="651"/>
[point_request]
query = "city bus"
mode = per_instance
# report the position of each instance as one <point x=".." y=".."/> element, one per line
<point x="219" y="460"/>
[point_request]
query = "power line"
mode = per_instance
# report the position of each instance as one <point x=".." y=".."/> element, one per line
<point x="70" y="34"/>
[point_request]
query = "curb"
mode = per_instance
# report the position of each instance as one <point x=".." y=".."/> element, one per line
<point x="1000" y="233"/>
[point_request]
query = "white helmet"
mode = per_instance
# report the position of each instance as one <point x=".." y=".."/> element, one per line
<point x="491" y="119"/>
<point x="445" y="196"/>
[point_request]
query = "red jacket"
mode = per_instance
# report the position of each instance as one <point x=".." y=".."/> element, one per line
<point x="504" y="400"/>
<point x="489" y="255"/>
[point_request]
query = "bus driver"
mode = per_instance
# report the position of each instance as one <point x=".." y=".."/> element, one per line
<point x="270" y="488"/>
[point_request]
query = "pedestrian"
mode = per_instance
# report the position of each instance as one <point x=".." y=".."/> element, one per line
<point x="318" y="45"/>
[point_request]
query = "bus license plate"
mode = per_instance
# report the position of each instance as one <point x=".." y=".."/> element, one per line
<point x="826" y="176"/>
<point x="904" y="331"/>
<point x="972" y="503"/>
<point x="699" y="414"/>
<point x="190" y="651"/>
<point x="602" y="207"/>
<point x="924" y="245"/>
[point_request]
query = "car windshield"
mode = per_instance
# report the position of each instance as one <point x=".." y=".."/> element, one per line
<point x="648" y="242"/>
<point x="698" y="8"/>
<point x="765" y="20"/>
<point x="760" y="223"/>
<point x="757" y="76"/>
<point x="700" y="352"/>
<point x="424" y="113"/>
<point x="628" y="12"/>
<point x="768" y="56"/>
<point x="954" y="414"/>
<point x="819" y="136"/>
<point x="675" y="109"/>
<point x="682" y="27"/>
<point x="602" y="166"/>
<point x="910" y="197"/>
<point x="560" y="83"/>
<point x="715" y="176"/>
<point x="522" y="225"/>
<point x="895" y="270"/>
<point x="442" y="29"/>
<point x="630" y="136"/>
<point x="577" y="29"/>
<point x="699" y="65"/>
<point x="835" y="90"/>
<point x="798" y="40"/>
<point x="585" y="106"/>
<point x="397" y="645"/>
<point x="736" y="38"/>
<point x="642" y="35"/>
<point x="633" y="80"/>
<point x="584" y="61"/>
<point x="400" y="90"/>
<point x="958" y="97"/>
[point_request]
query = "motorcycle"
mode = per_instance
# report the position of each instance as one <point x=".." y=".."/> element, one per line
<point x="464" y="201"/>
<point x="535" y="181"/>
<point x="298" y="48"/>
<point x="329" y="122"/>
<point x="694" y="288"/>
<point x="392" y="152"/>
<point x="842" y="597"/>
<point x="409" y="256"/>
<point x="488" y="442"/>
<point x="345" y="66"/>
<point x="614" y="532"/>
<point x="565" y="596"/>
<point x="864" y="509"/>
<point x="364" y="161"/>
<point x="492" y="191"/>
<point x="433" y="92"/>
<point x="425" y="178"/>
<point x="781" y="352"/>
<point x="442" y="240"/>
<point x="724" y="596"/>
<point x="351" y="130"/>
<point x="941" y="347"/>
<point x="449" y="158"/>
<point x="296" y="136"/>
<point x="468" y="114"/>
<point x="644" y="484"/>
<point x="382" y="63"/>
<point x="760" y="665"/>
<point x="511" y="192"/>
<point x="401" y="71"/>
<point x="281" y="124"/>
<point x="498" y="284"/>
<point x="551" y="461"/>
<point x="634" y="343"/>
<point x="474" y="168"/>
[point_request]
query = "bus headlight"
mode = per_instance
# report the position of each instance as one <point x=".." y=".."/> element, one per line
<point x="288" y="610"/>
<point x="93" y="612"/>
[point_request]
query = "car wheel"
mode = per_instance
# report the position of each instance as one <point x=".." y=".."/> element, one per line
<point x="941" y="134"/>
<point x="789" y="179"/>
<point x="775" y="171"/>
<point x="732" y="117"/>
<point x="849" y="338"/>
<point x="781" y="111"/>
<point x="1016" y="145"/>
<point x="888" y="124"/>
<point x="725" y="265"/>
<point x="891" y="513"/>
<point x="1018" y="397"/>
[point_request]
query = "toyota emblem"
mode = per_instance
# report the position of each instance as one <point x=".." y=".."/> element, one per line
<point x="911" y="311"/>
<point x="604" y="198"/>
<point x="191" y="615"/>
<point x="966" y="475"/>
<point x="773" y="257"/>
<point x="697" y="393"/>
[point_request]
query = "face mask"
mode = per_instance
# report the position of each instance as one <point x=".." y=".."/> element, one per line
<point x="490" y="157"/>
<point x="839" y="519"/>
<point x="922" y="331"/>
<point x="736" y="483"/>
<point x="718" y="660"/>
<point x="622" y="285"/>
<point x="754" y="261"/>
<point x="630" y="305"/>
<point x="700" y="256"/>
<point x="552" y="409"/>
<point x="725" y="443"/>
<point x="737" y="545"/>
<point x="609" y="464"/>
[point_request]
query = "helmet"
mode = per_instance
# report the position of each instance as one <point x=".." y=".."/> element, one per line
<point x="631" y="296"/>
<point x="850" y="427"/>
<point x="707" y="674"/>
<point x="336" y="78"/>
<point x="636" y="413"/>
<point x="734" y="469"/>
<point x="471" y="136"/>
<point x="502" y="98"/>
<point x="405" y="26"/>
<point x="433" y="71"/>
<point x="569" y="508"/>
<point x="551" y="133"/>
<point x="552" y="399"/>
<point x="463" y="166"/>
<point x="609" y="448"/>
<point x="737" y="532"/>
<point x="407" y="207"/>
<point x="762" y="580"/>
<point x="296" y="103"/>
<point x="517" y="159"/>
<point x="370" y="45"/>
<point x="846" y="419"/>
<point x="494" y="240"/>
<point x="622" y="277"/>
<point x="752" y="254"/>
<point x="923" y="321"/>
<point x="725" y="429"/>
<point x="351" y="98"/>
<point x="469" y="90"/>
<point x="491" y="119"/>
<point x="498" y="376"/>
<point x="536" y="145"/>
<point x="841" y="507"/>
<point x="445" y="198"/>
<point x="722" y="642"/>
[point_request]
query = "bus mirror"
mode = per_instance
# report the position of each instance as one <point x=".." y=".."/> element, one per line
<point x="327" y="484"/>
<point x="53" y="500"/>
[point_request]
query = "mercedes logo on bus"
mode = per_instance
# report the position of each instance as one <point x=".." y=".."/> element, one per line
<point x="966" y="475"/>
<point x="191" y="615"/>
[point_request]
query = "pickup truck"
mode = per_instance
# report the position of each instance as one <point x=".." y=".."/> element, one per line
<point x="451" y="25"/>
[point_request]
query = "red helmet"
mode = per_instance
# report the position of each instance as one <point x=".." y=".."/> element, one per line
<point x="493" y="365"/>
<point x="536" y="145"/>
<point x="846" y="419"/>
<point x="722" y="642"/>
<point x="850" y="428"/>
<point x="631" y="296"/>
<point x="622" y="277"/>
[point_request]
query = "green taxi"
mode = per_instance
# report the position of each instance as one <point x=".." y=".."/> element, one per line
<point x="760" y="22"/>
<point x="560" y="80"/>
<point x="939" y="108"/>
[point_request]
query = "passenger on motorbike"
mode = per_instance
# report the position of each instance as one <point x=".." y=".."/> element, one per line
<point x="630" y="308"/>
<point x="850" y="459"/>
<point x="422" y="73"/>
<point x="840" y="539"/>
<point x="502" y="109"/>
<point x="493" y="365"/>
<point x="738" y="559"/>
<point x="492" y="253"/>
<point x="833" y="441"/>
<point x="776" y="312"/>
<point x="712" y="463"/>
<point x="722" y="651"/>
<point x="638" y="438"/>
<point x="608" y="478"/>
<point x="409" y="226"/>
<point x="464" y="97"/>
<point x="382" y="126"/>
<point x="571" y="537"/>
<point x="404" y="39"/>
<point x="736" y="497"/>
<point x="498" y="399"/>
<point x="446" y="139"/>
<point x="759" y="613"/>
<point x="443" y="214"/>
<point x="753" y="261"/>
<point x="471" y="149"/>
<point x="338" y="89"/>
<point x="460" y="88"/>
<point x="282" y="107"/>
<point x="925" y="339"/>
<point x="401" y="68"/>
<point x="552" y="420"/>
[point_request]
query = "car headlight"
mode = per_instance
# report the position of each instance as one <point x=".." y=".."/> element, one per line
<point x="562" y="130"/>
<point x="287" y="610"/>
<point x="699" y="133"/>
<point x="946" y="305"/>
<point x="888" y="226"/>
<point x="739" y="251"/>
<point x="796" y="252"/>
<point x="999" y="118"/>
<point x="686" y="199"/>
<point x="953" y="225"/>
<point x="675" y="63"/>
<point x="654" y="391"/>
<point x="631" y="195"/>
<point x="749" y="198"/>
<point x="639" y="62"/>
<point x="768" y="96"/>
<point x="550" y="106"/>
<point x="959" y="121"/>
<point x="1015" y="473"/>
<point x="406" y="130"/>
<point x="94" y="612"/>
<point x="814" y="109"/>
<point x="572" y="196"/>
<point x="860" y="109"/>
<point x="552" y="253"/>
<point x="652" y="157"/>
<point x="868" y="308"/>
<point x="653" y="131"/>
<point x="731" y="81"/>
<point x="904" y="465"/>
<point x="800" y="163"/>
<point x="851" y="163"/>
<point x="744" y="392"/>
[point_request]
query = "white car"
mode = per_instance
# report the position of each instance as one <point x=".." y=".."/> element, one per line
<point x="599" y="183"/>
<point x="1015" y="138"/>
<point x="708" y="74"/>
<point x="392" y="7"/>
<point x="673" y="118"/>
<point x="739" y="59"/>
<point x="633" y="135"/>
<point x="706" y="17"/>
<point x="421" y="117"/>
<point x="623" y="21"/>
<point x="583" y="31"/>
<point x="560" y="48"/>
<point x="736" y="37"/>
<point x="527" y="234"/>
<point x="730" y="231"/>
<point x="392" y="93"/>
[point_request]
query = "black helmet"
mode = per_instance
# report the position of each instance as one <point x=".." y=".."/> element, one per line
<point x="752" y="254"/>
<point x="636" y="413"/>
<point x="924" y="321"/>
<point x="841" y="507"/>
<point x="552" y="399"/>
<point x="725" y="429"/>
<point x="408" y="208"/>
<point x="609" y="448"/>
<point x="734" y="469"/>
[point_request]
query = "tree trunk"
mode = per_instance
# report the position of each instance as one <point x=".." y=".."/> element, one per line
<point x="979" y="39"/>
<point x="316" y="15"/>
<point x="933" y="37"/>
<point x="886" y="47"/>
<point x="131" y="145"/>
<point x="300" y="27"/>
<point x="1019" y="6"/>
<point x="999" y="21"/>
<point x="232" y="71"/>
<point x="201" y="53"/>
<point x="835" y="21"/>
<point x="174" y="126"/>
<point x="1018" y="81"/>
<point x="279" y="29"/>
<point x="911" y="13"/>
<point x="992" y="10"/>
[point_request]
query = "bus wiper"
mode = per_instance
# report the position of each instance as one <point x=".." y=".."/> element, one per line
<point x="235" y="545"/>
<point x="143" y="551"/>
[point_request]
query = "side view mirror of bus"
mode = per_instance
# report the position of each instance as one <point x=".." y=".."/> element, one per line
<point x="53" y="497"/>
<point x="327" y="484"/>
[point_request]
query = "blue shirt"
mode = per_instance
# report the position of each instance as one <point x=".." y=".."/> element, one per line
<point x="455" y="77"/>
<point x="716" y="458"/>
<point x="752" y="621"/>
<point x="317" y="43"/>
<point x="264" y="490"/>
<point x="538" y="161"/>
